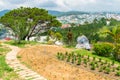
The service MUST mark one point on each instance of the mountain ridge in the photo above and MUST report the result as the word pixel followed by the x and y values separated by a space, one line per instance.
pixel 53 12
pixel 60 13
pixel 2 13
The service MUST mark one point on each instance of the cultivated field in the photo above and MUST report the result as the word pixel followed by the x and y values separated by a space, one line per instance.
pixel 42 59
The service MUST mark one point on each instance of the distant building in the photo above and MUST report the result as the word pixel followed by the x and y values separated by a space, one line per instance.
pixel 65 26
pixel 6 34
pixel 83 42
pixel 108 22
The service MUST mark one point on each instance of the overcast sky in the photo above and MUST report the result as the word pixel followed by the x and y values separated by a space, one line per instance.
pixel 64 5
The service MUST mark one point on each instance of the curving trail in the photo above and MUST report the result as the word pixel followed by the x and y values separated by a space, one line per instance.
pixel 21 70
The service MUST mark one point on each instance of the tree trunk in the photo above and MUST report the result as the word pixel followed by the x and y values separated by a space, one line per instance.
pixel 28 38
pixel 24 38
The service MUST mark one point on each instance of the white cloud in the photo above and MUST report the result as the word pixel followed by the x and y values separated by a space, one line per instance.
pixel 64 5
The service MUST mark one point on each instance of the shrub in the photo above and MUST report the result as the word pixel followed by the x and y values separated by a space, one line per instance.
pixel 79 61
pixel 108 65
pixel 107 70
pixel 100 59
pixel 82 56
pixel 113 70
pixel 106 62
pixel 102 63
pixel 88 57
pixel 58 36
pixel 92 63
pixel 94 58
pixel 72 54
pixel 118 73
pixel 85 61
pixel 68 58
pixel 48 38
pixel 104 67
pixel 58 55
pixel 103 49
pixel 50 42
pixel 97 65
pixel 93 67
pixel 101 69
pixel 66 53
pixel 61 56
pixel 113 62
pixel 78 55
pixel 118 68
pixel 116 52
pixel 73 58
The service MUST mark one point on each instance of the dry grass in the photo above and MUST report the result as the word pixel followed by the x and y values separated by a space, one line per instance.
pixel 42 59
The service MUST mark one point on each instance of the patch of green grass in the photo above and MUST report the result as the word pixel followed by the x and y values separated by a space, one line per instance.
pixel 90 53
pixel 6 73
pixel 22 44
pixel 4 67
pixel 69 46
pixel 18 56
pixel 91 61
pixel 3 50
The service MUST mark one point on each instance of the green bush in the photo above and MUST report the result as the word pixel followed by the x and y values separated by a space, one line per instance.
pixel 107 70
pixel 88 57
pixel 79 61
pixel 93 67
pixel 118 73
pixel 68 58
pixel 116 52
pixel 100 69
pixel 94 58
pixel 92 63
pixel 118 68
pixel 113 69
pixel 85 61
pixel 103 49
pixel 73 59
pixel 113 62
pixel 58 55
pixel 100 59
pixel 104 67
pixel 50 42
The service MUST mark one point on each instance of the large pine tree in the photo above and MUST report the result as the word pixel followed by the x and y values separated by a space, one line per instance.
pixel 27 22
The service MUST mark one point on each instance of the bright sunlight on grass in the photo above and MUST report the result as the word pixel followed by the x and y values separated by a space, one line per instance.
pixel 22 44
pixel 90 53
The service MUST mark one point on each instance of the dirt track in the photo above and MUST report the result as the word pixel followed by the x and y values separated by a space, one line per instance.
pixel 42 59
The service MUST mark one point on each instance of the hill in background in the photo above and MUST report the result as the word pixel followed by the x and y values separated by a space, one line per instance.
pixel 54 13
pixel 3 12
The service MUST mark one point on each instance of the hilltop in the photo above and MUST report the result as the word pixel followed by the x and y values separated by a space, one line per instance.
pixel 53 12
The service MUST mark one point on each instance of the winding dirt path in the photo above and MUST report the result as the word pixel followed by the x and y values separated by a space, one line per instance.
pixel 21 70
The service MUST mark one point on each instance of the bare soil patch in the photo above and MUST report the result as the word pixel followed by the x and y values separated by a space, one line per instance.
pixel 42 59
